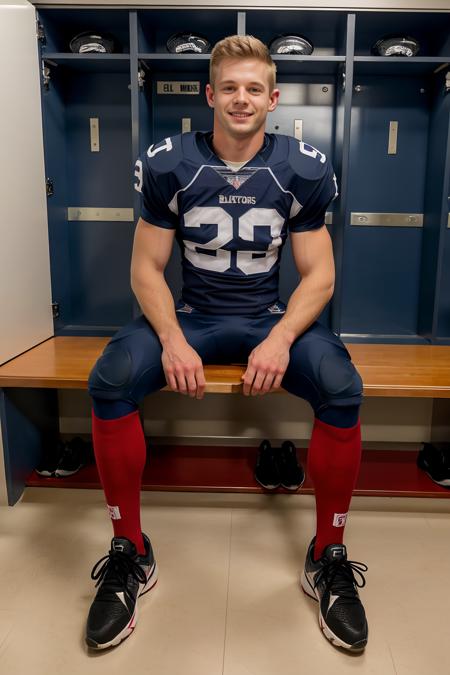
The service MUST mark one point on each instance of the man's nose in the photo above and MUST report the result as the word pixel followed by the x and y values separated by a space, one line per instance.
pixel 240 95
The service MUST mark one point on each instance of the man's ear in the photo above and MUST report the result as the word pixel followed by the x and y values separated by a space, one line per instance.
pixel 210 95
pixel 273 100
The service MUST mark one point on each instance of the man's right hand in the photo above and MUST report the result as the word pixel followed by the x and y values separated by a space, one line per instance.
pixel 183 367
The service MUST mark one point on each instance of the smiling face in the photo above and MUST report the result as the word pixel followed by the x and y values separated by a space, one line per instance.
pixel 241 98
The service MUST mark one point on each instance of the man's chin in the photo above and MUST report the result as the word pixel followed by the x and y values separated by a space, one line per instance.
pixel 240 130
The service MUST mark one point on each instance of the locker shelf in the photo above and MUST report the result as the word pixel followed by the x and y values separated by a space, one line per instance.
pixel 179 63
pixel 105 63
pixel 385 65
pixel 384 473
pixel 308 65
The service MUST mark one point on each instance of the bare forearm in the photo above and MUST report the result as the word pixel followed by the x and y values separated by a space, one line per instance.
pixel 304 307
pixel 156 301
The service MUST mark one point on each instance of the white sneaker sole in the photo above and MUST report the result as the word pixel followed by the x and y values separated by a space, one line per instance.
pixel 129 628
pixel 337 642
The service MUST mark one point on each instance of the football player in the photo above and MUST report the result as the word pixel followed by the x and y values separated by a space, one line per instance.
pixel 230 198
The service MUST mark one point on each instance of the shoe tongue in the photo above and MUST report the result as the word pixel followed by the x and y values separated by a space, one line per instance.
pixel 335 552
pixel 123 545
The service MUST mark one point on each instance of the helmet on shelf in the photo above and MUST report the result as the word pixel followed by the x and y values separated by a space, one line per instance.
pixel 291 44
pixel 396 45
pixel 188 43
pixel 91 42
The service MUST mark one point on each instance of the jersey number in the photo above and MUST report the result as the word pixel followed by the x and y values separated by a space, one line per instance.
pixel 221 261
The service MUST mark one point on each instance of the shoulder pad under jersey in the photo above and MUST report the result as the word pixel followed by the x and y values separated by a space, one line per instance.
pixel 166 155
pixel 305 160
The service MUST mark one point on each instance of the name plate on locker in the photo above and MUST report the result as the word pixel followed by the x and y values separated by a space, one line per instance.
pixel 387 219
pixel 178 87
pixel 104 215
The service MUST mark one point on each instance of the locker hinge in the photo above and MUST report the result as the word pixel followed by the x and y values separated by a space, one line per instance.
pixel 40 33
pixel 141 78
pixel 49 188
pixel 55 309
pixel 45 75
pixel 342 76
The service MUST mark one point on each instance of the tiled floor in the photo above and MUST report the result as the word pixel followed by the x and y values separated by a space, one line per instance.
pixel 227 600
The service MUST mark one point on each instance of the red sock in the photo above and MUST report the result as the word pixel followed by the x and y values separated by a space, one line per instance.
pixel 120 454
pixel 334 457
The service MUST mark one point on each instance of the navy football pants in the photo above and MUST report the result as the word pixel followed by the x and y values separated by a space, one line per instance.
pixel 320 369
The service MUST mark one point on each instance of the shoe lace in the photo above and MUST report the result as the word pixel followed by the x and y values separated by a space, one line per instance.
pixel 115 568
pixel 339 575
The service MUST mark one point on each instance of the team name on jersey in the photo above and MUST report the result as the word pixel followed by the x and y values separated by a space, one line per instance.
pixel 236 199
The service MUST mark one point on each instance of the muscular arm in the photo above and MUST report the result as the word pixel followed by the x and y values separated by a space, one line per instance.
pixel 313 256
pixel 151 251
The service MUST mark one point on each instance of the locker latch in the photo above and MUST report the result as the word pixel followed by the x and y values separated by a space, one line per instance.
pixel 45 75
pixel 141 78
pixel 40 33
pixel 49 187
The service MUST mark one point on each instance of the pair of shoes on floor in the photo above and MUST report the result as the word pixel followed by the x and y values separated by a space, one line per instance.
pixel 434 459
pixel 63 459
pixel 123 576
pixel 279 466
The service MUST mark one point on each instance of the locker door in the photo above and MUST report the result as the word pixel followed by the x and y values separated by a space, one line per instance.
pixel 25 295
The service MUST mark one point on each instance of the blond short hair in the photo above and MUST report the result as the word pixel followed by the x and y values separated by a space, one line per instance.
pixel 241 47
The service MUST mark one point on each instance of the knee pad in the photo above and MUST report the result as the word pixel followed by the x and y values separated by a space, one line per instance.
pixel 339 381
pixel 112 374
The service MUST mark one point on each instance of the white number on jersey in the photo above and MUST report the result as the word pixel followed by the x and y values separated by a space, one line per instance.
pixel 139 175
pixel 167 145
pixel 310 151
pixel 207 215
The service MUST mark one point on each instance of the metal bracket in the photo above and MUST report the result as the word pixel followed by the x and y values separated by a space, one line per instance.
pixel 40 33
pixel 55 309
pixel 49 188
pixel 46 75
pixel 141 74
pixel 342 74
pixel 141 78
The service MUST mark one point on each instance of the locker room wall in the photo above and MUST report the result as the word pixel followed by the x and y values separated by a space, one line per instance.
pixel 391 281
pixel 236 420
pixel 25 298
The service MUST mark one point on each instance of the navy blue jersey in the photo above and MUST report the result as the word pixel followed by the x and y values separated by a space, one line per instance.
pixel 231 225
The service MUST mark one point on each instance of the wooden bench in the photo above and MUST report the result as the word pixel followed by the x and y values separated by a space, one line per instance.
pixel 29 407
pixel 387 370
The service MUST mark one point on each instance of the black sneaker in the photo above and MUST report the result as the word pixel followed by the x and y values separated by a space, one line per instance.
pixel 291 471
pixel 123 577
pixel 75 455
pixel 434 459
pixel 332 582
pixel 266 469
pixel 53 450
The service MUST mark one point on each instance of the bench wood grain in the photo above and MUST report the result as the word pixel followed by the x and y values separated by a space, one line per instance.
pixel 421 371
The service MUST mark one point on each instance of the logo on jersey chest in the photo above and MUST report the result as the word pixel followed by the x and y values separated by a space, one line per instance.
pixel 235 178
pixel 236 199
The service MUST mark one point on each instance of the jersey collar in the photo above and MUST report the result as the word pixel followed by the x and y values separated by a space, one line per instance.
pixel 204 144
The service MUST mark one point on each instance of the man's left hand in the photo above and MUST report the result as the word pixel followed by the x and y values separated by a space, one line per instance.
pixel 266 366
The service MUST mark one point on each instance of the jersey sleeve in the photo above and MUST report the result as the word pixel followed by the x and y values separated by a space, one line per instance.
pixel 321 193
pixel 156 195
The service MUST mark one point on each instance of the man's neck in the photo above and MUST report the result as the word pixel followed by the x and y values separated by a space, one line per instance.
pixel 237 150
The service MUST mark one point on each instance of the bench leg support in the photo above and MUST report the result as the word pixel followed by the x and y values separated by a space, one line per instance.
pixel 26 416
